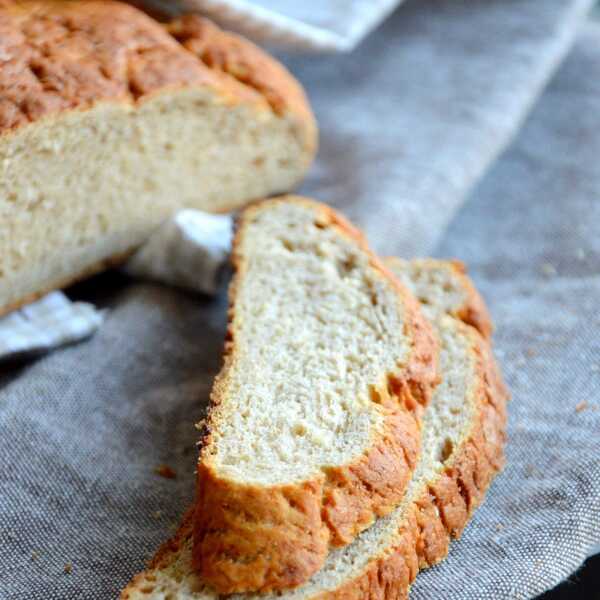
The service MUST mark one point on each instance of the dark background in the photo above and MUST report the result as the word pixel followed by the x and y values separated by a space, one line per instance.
pixel 584 585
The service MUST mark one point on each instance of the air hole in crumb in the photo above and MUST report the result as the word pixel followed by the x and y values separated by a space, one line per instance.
pixel 447 287
pixel 169 146
pixel 259 161
pixel 288 245
pixel 446 450
pixel 320 224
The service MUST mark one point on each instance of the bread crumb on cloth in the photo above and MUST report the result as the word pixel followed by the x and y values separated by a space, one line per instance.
pixel 165 471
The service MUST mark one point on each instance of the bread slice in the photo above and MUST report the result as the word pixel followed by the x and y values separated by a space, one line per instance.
pixel 110 122
pixel 313 430
pixel 463 436
pixel 442 286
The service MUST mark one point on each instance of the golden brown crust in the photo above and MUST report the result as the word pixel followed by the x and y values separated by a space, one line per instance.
pixel 250 537
pixel 226 52
pixel 474 312
pixel 163 556
pixel 60 55
pixel 64 54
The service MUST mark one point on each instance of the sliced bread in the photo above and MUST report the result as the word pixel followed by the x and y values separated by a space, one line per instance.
pixel 110 122
pixel 463 435
pixel 442 286
pixel 313 429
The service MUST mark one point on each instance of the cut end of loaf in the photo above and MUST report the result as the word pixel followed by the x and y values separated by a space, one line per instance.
pixel 109 124
pixel 315 328
pixel 91 185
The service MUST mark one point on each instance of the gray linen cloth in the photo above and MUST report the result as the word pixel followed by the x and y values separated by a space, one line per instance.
pixel 530 237
pixel 415 115
pixel 84 428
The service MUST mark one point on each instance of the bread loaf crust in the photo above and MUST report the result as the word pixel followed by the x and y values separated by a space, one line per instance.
pixel 60 58
pixel 474 311
pixel 60 55
pixel 228 53
pixel 249 537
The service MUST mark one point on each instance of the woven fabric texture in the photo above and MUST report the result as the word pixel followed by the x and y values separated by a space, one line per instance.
pixel 87 429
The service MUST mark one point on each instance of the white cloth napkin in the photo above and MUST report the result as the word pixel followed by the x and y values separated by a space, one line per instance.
pixel 48 323
pixel 188 251
pixel 307 26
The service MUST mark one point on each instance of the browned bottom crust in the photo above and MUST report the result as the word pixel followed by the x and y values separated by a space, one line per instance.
pixel 283 532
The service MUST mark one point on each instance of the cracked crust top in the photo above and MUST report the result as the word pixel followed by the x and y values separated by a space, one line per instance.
pixel 57 55
pixel 232 54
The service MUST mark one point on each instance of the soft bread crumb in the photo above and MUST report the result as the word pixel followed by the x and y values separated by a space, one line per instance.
pixel 144 127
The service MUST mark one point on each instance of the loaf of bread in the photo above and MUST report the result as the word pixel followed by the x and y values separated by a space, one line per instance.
pixel 110 121
pixel 463 435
